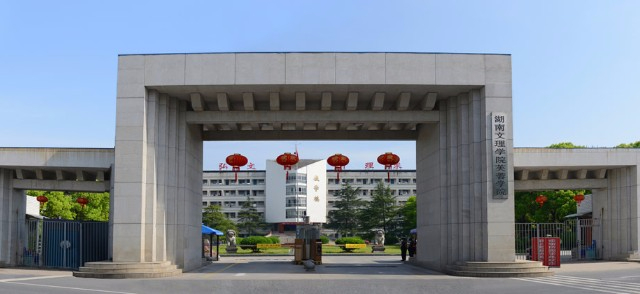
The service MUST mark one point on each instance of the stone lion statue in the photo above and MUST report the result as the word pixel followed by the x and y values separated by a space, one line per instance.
pixel 231 238
pixel 378 239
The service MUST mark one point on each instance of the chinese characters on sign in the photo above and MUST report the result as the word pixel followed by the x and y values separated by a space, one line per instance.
pixel 368 165
pixel 500 155
pixel 251 166
pixel 547 250
pixel 222 166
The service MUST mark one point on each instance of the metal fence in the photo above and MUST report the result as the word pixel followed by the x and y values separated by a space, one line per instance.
pixel 576 238
pixel 64 244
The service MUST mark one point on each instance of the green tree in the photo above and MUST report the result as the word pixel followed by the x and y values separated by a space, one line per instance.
pixel 345 218
pixel 629 145
pixel 558 205
pixel 381 211
pixel 565 145
pixel 64 206
pixel 409 214
pixel 214 217
pixel 249 220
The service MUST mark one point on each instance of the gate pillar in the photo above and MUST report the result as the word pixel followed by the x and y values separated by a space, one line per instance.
pixel 12 220
pixel 459 218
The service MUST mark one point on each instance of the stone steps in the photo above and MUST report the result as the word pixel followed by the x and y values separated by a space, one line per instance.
pixel 499 269
pixel 127 270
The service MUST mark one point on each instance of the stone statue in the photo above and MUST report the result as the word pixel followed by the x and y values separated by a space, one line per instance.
pixel 231 238
pixel 378 239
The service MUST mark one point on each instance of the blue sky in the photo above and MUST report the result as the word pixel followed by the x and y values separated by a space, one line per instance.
pixel 575 63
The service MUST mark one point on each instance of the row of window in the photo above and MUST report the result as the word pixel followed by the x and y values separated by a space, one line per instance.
pixel 363 192
pixel 242 193
pixel 235 215
pixel 231 204
pixel 358 181
pixel 302 179
pixel 233 182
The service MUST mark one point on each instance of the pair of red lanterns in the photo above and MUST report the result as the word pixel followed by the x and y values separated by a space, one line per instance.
pixel 338 161
pixel 541 199
pixel 81 200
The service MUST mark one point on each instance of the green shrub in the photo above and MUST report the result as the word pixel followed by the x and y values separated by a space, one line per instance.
pixel 349 240
pixel 274 239
pixel 324 239
pixel 253 240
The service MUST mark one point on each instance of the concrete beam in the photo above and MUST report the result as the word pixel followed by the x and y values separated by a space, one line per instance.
pixel 429 101
pixel 59 175
pixel 197 102
pixel 39 174
pixel 328 134
pixel 300 101
pixel 53 185
pixel 562 174
pixel 378 101
pixel 352 101
pixel 325 103
pixel 312 116
pixel 601 173
pixel 522 175
pixel 274 101
pixel 79 175
pixel 539 185
pixel 223 102
pixel 402 103
pixel 544 174
pixel 19 174
pixel 247 101
pixel 581 174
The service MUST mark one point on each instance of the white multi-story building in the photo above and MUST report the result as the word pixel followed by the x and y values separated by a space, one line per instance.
pixel 308 190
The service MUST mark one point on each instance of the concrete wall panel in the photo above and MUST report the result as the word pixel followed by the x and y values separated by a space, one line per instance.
pixel 410 68
pixel 319 68
pixel 366 68
pixel 164 70
pixel 460 69
pixel 210 69
pixel 257 68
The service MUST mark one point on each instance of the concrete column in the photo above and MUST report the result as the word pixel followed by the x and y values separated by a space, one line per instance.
pixel 617 208
pixel 157 182
pixel 12 218
pixel 459 219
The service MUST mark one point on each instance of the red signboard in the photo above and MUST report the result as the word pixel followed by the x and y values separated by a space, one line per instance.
pixel 546 250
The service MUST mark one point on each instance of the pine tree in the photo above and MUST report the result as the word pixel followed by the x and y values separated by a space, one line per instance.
pixel 249 220
pixel 213 217
pixel 345 219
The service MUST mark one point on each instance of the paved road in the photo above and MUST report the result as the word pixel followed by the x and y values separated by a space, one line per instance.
pixel 344 274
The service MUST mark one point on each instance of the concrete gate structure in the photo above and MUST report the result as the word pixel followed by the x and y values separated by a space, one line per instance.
pixel 167 105
pixel 456 107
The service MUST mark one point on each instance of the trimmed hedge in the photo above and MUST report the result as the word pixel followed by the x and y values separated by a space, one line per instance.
pixel 324 239
pixel 349 240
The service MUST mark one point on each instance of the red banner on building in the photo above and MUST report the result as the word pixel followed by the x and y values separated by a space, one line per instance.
pixel 547 250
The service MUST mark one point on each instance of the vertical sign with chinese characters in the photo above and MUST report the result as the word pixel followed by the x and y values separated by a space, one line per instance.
pixel 500 155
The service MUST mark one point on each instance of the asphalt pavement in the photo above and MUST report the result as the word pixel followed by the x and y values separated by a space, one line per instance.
pixel 337 274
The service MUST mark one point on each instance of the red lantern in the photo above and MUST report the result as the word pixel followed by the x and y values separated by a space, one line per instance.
pixel 42 199
pixel 541 199
pixel 236 161
pixel 388 160
pixel 82 201
pixel 578 198
pixel 287 160
pixel 338 161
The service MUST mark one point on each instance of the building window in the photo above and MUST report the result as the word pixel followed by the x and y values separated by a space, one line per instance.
pixel 204 193
pixel 204 203
pixel 258 181
pixel 205 182
pixel 229 193
pixel 291 202
pixel 295 213
pixel 258 192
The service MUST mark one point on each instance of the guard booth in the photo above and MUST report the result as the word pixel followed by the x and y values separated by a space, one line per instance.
pixel 308 244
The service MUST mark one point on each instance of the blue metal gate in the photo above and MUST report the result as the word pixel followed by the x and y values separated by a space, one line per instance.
pixel 65 244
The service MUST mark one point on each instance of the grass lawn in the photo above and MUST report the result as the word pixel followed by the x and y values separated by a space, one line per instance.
pixel 326 249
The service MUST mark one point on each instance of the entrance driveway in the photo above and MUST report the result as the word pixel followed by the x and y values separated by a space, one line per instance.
pixel 338 274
